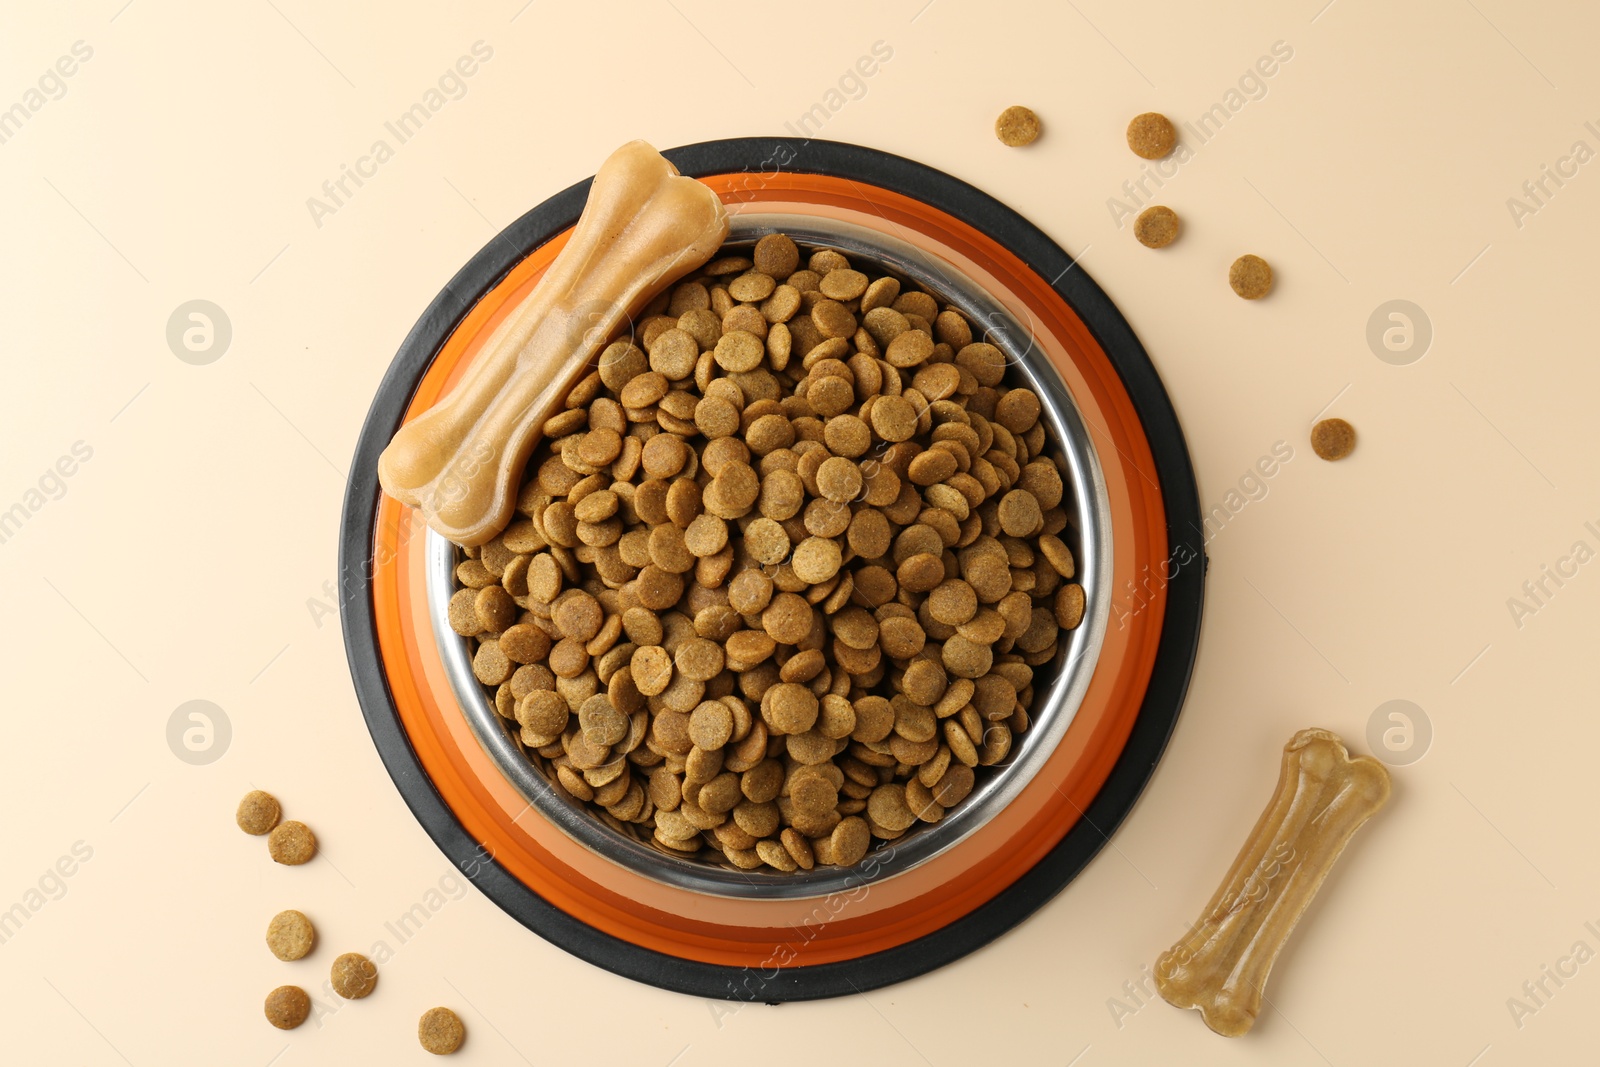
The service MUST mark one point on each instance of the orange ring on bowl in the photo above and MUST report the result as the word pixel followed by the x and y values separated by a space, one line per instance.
pixel 784 949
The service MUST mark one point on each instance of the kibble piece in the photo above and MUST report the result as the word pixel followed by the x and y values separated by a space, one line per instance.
pixel 1333 439
pixel 602 724
pixel 887 807
pixel 353 976
pixel 1020 515
pixel 463 612
pixel 850 840
pixel 1156 226
pixel 739 351
pixel 440 1031
pixel 287 1007
pixel 842 283
pixel 1058 555
pixel 1151 135
pixel 839 479
pixel 292 843
pixel 620 363
pixel 490 664
pixel 791 708
pixel 752 286
pixel 1017 126
pixel 833 319
pixel 952 788
pixel 881 293
pixel 711 725
pixel 952 602
pixel 496 610
pixel 894 418
pixel 1250 277
pixel 777 255
pixel 909 349
pixel 774 854
pixel 1018 410
pixel 698 659
pixel 824 260
pixel 1069 606
pixel 1041 478
pixel 290 935
pixel 258 812
pixel 846 435
pixel 816 559
pixel 766 541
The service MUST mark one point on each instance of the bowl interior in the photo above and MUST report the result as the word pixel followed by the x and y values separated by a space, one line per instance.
pixel 1058 687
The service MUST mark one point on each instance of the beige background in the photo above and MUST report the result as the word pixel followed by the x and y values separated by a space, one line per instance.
pixel 180 561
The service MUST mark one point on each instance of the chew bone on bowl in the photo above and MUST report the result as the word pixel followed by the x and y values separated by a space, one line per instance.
pixel 1057 688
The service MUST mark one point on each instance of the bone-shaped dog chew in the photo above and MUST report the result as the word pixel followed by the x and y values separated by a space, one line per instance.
pixel 1323 797
pixel 643 227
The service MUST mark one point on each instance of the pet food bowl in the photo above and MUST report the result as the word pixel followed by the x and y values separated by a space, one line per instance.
pixel 1101 712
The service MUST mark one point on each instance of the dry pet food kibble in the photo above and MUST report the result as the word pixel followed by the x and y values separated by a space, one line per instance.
pixel 1250 277
pixel 440 1031
pixel 1156 227
pixel 353 976
pixel 1333 439
pixel 258 812
pixel 1017 126
pixel 290 935
pixel 1151 135
pixel 292 843
pixel 782 570
pixel 287 1007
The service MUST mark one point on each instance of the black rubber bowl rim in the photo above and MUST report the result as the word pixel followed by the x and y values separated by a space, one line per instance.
pixel 1157 715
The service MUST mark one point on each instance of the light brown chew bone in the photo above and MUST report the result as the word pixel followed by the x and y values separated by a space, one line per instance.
pixel 1323 797
pixel 644 226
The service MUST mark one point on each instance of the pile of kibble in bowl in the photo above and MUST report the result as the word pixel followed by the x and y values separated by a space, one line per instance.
pixel 783 568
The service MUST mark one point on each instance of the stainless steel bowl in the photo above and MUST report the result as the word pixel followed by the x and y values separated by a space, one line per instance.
pixel 1056 699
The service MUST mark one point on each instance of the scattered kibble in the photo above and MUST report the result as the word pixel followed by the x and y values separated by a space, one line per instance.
pixel 1156 227
pixel 1151 135
pixel 290 935
pixel 292 843
pixel 353 976
pixel 1333 439
pixel 1017 126
pixel 258 812
pixel 440 1031
pixel 1251 277
pixel 287 1007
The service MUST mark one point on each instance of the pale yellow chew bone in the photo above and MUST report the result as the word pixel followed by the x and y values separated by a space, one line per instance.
pixel 1323 797
pixel 644 227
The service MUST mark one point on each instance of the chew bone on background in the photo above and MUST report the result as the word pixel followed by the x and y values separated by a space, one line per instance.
pixel 1323 796
pixel 643 227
